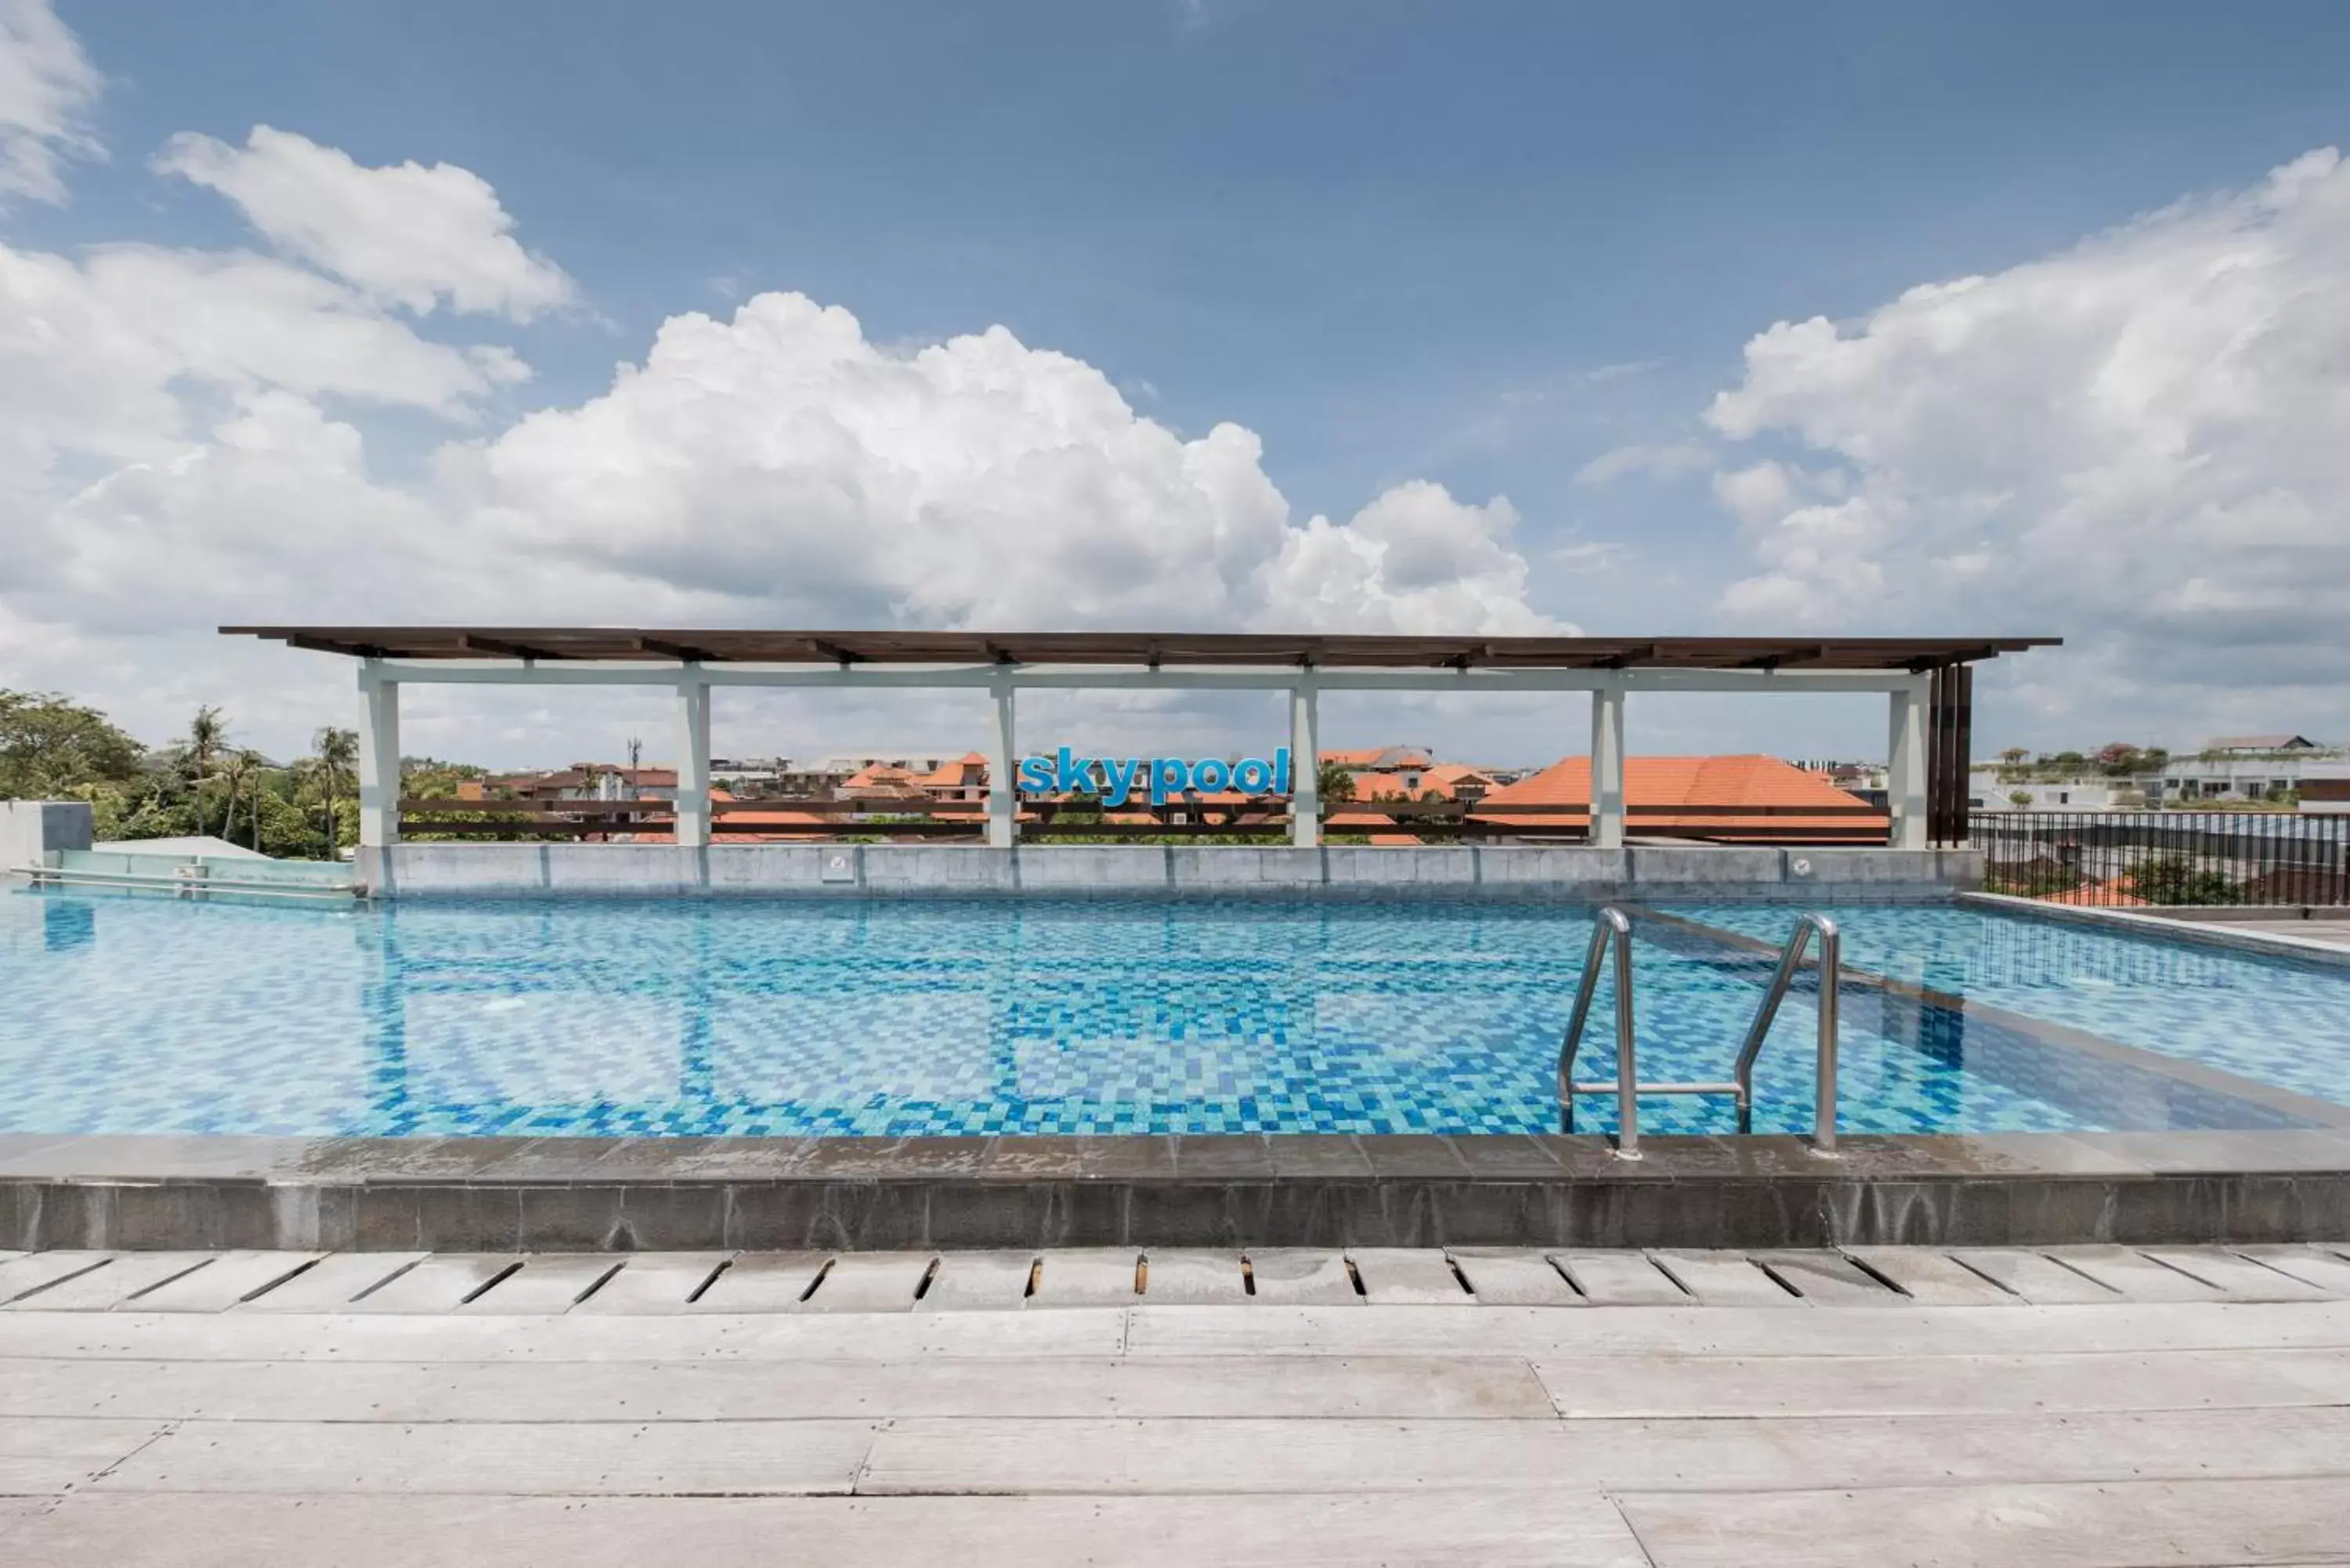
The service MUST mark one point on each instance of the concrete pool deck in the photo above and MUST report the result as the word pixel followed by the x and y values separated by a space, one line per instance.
pixel 2090 1408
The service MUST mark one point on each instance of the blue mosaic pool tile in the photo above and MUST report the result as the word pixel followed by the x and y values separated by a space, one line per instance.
pixel 677 1018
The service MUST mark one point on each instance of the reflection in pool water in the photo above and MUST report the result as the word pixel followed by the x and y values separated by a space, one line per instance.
pixel 139 1014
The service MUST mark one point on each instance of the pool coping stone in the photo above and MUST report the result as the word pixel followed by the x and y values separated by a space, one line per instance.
pixel 599 1194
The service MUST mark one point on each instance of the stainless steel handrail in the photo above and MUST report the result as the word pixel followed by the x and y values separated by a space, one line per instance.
pixel 1613 929
pixel 38 874
pixel 1609 926
pixel 1824 1091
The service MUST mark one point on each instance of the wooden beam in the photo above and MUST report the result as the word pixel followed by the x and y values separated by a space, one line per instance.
pixel 1147 649
pixel 320 645
pixel 501 647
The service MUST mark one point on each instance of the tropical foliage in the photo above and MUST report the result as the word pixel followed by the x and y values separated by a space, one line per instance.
pixel 2175 879
pixel 50 746
pixel 200 781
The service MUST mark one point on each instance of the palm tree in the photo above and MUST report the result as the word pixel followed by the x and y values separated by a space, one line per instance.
pixel 206 732
pixel 337 757
pixel 235 772
pixel 253 765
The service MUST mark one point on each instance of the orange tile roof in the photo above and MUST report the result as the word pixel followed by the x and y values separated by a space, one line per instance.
pixel 759 826
pixel 1377 786
pixel 969 769
pixel 2115 894
pixel 1692 783
pixel 1445 776
pixel 1442 780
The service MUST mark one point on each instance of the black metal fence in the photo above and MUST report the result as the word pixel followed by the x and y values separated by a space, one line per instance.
pixel 2119 858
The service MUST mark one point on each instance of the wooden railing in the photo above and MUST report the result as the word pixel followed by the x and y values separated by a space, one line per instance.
pixel 1860 824
pixel 449 817
pixel 1444 821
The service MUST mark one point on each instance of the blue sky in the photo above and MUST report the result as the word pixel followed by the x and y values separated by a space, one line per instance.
pixel 1481 246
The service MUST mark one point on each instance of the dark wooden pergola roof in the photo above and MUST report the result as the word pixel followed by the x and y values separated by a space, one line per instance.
pixel 1151 650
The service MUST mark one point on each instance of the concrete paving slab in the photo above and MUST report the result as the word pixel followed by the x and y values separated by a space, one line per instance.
pixel 1302 1276
pixel 1180 1277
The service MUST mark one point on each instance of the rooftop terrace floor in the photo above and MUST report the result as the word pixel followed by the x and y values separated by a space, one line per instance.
pixel 2102 1406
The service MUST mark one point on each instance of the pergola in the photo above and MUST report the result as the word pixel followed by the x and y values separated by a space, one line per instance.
pixel 1928 682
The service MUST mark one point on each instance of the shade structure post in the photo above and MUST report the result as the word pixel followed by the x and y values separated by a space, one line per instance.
pixel 1905 766
pixel 693 760
pixel 379 758
pixel 1305 767
pixel 1002 792
pixel 1607 768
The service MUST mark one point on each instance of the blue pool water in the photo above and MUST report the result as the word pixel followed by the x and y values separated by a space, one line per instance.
pixel 137 1013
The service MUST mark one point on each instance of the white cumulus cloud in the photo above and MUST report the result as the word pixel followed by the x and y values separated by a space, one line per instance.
pixel 409 234
pixel 2142 442
pixel 188 437
pixel 48 88
pixel 782 464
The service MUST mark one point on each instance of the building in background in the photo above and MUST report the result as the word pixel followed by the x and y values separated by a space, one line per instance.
pixel 2240 768
pixel 1865 780
pixel 581 781
pixel 1986 791
pixel 2258 745
pixel 2325 789
pixel 1720 800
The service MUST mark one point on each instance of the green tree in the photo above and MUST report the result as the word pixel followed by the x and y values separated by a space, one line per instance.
pixel 334 764
pixel 288 829
pixel 237 773
pixel 207 733
pixel 1335 783
pixel 429 778
pixel 2175 879
pixel 50 747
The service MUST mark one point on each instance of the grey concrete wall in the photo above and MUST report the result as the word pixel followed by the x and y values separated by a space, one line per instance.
pixel 31 830
pixel 1811 876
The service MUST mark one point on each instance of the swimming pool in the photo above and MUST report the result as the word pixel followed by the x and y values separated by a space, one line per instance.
pixel 140 1013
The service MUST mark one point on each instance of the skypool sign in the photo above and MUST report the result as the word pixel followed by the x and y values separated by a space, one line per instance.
pixel 1115 781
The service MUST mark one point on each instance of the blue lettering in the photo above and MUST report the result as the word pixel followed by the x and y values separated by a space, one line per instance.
pixel 1168 776
pixel 1118 781
pixel 1072 773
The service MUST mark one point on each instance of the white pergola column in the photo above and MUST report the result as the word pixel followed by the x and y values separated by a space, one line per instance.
pixel 1905 768
pixel 1608 767
pixel 378 759
pixel 1003 784
pixel 1305 767
pixel 693 761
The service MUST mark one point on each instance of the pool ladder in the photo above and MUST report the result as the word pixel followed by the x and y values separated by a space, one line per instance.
pixel 1613 930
